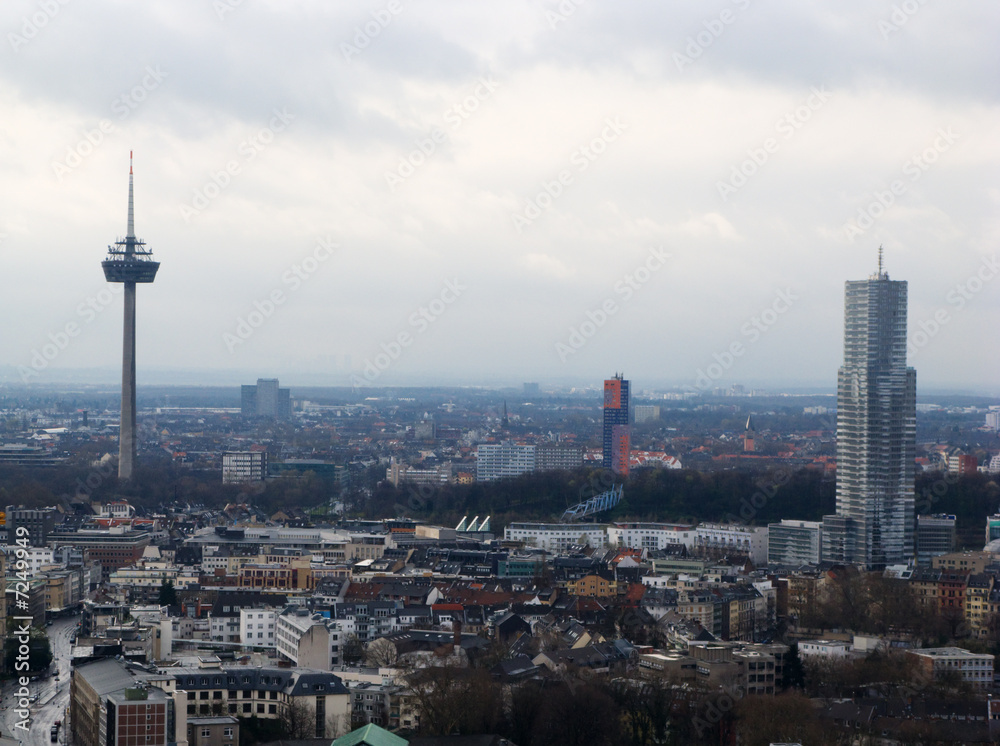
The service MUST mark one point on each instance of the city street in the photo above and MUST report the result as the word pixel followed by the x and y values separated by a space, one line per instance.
pixel 52 692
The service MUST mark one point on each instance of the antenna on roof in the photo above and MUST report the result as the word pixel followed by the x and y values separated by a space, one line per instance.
pixel 880 260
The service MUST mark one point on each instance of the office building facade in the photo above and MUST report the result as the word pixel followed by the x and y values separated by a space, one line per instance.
pixel 616 433
pixel 239 467
pixel 935 536
pixel 266 399
pixel 876 426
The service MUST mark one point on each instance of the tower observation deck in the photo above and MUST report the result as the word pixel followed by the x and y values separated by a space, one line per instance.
pixel 129 262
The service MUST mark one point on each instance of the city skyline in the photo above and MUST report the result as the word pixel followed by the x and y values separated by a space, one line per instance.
pixel 403 196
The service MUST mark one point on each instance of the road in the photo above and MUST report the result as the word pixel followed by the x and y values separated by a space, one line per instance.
pixel 52 691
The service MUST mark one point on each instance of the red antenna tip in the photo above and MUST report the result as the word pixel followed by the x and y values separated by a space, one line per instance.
pixel 130 162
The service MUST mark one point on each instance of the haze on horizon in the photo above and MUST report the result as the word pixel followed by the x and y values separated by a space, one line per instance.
pixel 551 192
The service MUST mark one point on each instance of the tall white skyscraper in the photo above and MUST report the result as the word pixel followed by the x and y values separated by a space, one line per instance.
pixel 876 429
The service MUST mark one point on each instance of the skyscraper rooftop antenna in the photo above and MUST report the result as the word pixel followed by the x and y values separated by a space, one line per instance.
pixel 131 208
pixel 881 274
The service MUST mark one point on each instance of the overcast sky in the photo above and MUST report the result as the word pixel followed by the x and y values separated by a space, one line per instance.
pixel 515 191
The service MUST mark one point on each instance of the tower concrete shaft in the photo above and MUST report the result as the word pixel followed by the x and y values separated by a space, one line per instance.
pixel 129 262
pixel 126 433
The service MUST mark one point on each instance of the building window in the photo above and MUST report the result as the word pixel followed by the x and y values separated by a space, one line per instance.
pixel 205 732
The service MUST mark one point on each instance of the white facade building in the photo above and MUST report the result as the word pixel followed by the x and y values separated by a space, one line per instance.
pixel 975 669
pixel 795 542
pixel 556 537
pixel 650 535
pixel 257 627
pixel 832 649
pixel 733 538
pixel 501 460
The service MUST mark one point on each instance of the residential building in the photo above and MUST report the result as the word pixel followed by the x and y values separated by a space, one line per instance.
pixel 115 704
pixel 398 473
pixel 558 457
pixel 925 583
pixel 318 697
pixel 654 536
pixel 876 425
pixel 795 543
pixel 257 627
pixel 646 413
pixel 309 640
pixel 961 463
pixel 556 537
pixel 616 436
pixel 724 539
pixel 977 603
pixel 503 460
pixel 223 730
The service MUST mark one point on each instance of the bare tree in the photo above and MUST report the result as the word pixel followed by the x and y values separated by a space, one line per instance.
pixel 297 720
pixel 381 654
pixel 354 650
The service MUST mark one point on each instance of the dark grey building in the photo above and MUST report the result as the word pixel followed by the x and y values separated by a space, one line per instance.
pixel 935 536
pixel 266 399
pixel 553 456
pixel 40 522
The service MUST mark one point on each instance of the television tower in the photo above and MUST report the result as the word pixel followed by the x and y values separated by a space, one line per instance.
pixel 129 262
